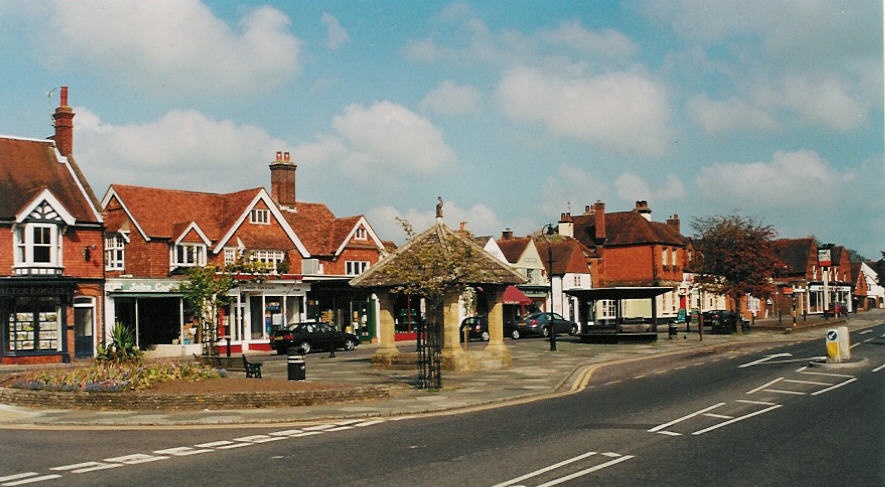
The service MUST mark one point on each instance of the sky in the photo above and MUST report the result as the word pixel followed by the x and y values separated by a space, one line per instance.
pixel 514 112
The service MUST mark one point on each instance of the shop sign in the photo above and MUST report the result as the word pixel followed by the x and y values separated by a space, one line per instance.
pixel 146 287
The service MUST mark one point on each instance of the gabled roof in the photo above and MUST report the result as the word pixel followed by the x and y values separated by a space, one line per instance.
pixel 30 166
pixel 794 254
pixel 324 234
pixel 513 247
pixel 167 214
pixel 435 237
pixel 569 256
pixel 626 228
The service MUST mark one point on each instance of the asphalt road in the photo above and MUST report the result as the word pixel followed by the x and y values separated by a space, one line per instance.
pixel 758 419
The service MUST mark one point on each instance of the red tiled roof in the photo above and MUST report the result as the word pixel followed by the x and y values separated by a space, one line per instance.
pixel 626 228
pixel 569 256
pixel 513 247
pixel 29 166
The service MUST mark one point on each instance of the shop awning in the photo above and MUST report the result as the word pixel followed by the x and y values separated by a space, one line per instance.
pixel 616 293
pixel 512 295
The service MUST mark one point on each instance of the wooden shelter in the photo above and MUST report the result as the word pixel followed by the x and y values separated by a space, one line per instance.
pixel 482 271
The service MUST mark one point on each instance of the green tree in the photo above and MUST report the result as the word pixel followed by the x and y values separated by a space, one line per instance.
pixel 206 293
pixel 733 257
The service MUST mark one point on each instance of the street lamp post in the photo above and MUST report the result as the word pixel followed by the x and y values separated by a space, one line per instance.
pixel 547 231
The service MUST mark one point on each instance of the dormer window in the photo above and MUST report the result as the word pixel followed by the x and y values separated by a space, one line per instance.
pixel 37 249
pixel 115 251
pixel 189 255
pixel 361 234
pixel 259 216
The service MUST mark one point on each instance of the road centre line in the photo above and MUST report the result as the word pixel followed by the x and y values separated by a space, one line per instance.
pixel 688 416
pixel 735 420
pixel 865 332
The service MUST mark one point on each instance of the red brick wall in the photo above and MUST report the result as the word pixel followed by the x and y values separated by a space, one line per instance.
pixel 339 265
pixel 75 243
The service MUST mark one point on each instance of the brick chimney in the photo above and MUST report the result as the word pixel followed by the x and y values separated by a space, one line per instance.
pixel 566 225
pixel 643 209
pixel 599 222
pixel 507 234
pixel 673 221
pixel 64 125
pixel 282 180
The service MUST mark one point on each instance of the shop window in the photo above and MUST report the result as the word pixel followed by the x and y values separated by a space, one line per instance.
pixel 34 325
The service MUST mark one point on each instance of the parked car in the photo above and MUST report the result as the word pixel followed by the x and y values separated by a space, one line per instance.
pixel 837 309
pixel 310 335
pixel 539 324
pixel 723 321
pixel 476 326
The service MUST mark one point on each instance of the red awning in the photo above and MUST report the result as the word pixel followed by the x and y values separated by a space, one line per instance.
pixel 512 295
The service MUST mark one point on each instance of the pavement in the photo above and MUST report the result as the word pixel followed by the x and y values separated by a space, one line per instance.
pixel 536 373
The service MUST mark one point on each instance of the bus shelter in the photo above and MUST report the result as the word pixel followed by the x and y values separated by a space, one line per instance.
pixel 616 323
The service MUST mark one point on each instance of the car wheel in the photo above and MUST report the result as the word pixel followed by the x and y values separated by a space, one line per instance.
pixel 545 332
pixel 349 345
pixel 485 336
pixel 305 347
pixel 574 330
pixel 514 334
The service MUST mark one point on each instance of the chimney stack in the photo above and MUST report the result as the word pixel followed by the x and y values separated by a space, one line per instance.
pixel 566 225
pixel 507 234
pixel 673 221
pixel 599 222
pixel 282 180
pixel 643 209
pixel 64 125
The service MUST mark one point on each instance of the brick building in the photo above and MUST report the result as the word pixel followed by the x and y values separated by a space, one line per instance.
pixel 51 263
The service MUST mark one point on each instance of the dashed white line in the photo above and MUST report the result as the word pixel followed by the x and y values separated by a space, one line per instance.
pixel 545 469
pixel 735 420
pixel 587 471
pixel 660 427
pixel 828 389
pixel 26 478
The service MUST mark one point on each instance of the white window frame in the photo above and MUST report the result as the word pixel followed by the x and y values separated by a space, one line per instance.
pixel 25 246
pixel 115 251
pixel 269 257
pixel 194 254
pixel 259 216
pixel 361 234
pixel 356 267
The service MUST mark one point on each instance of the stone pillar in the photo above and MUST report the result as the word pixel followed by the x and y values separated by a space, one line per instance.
pixel 387 347
pixel 453 355
pixel 496 346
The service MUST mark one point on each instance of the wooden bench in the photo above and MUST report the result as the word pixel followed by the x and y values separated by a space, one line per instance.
pixel 252 369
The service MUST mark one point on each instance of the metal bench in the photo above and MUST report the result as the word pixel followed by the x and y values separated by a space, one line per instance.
pixel 253 369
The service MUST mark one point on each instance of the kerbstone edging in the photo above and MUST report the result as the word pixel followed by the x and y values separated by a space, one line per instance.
pixel 185 401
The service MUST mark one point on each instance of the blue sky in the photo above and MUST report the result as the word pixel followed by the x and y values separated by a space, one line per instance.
pixel 514 112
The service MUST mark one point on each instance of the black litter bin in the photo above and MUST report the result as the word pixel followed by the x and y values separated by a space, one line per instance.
pixel 295 367
pixel 671 330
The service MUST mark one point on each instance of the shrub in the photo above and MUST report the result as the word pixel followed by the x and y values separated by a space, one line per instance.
pixel 106 376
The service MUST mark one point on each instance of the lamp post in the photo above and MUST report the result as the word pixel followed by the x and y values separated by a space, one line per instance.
pixel 547 231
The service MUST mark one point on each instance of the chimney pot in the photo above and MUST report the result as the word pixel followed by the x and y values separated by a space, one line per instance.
pixel 286 156
pixel 279 156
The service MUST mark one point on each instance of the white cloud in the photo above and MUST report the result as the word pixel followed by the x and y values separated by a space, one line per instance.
pixel 820 100
pixel 624 111
pixel 631 187
pixel 798 180
pixel 716 116
pixel 336 36
pixel 480 219
pixel 385 137
pixel 182 149
pixel 452 99
pixel 170 46
pixel 571 188
pixel 607 42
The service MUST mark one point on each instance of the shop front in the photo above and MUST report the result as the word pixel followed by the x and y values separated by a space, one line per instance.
pixel 154 310
pixel 258 308
pixel 46 320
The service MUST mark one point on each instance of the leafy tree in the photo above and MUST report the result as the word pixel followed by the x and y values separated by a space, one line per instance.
pixel 206 293
pixel 733 257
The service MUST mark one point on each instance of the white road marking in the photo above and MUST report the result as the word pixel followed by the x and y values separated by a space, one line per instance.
pixel 735 420
pixel 135 459
pixel 587 471
pixel 765 386
pixel 660 427
pixel 86 467
pixel 765 359
pixel 545 469
pixel 828 389
pixel 877 369
pixel 183 451
pixel 29 480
